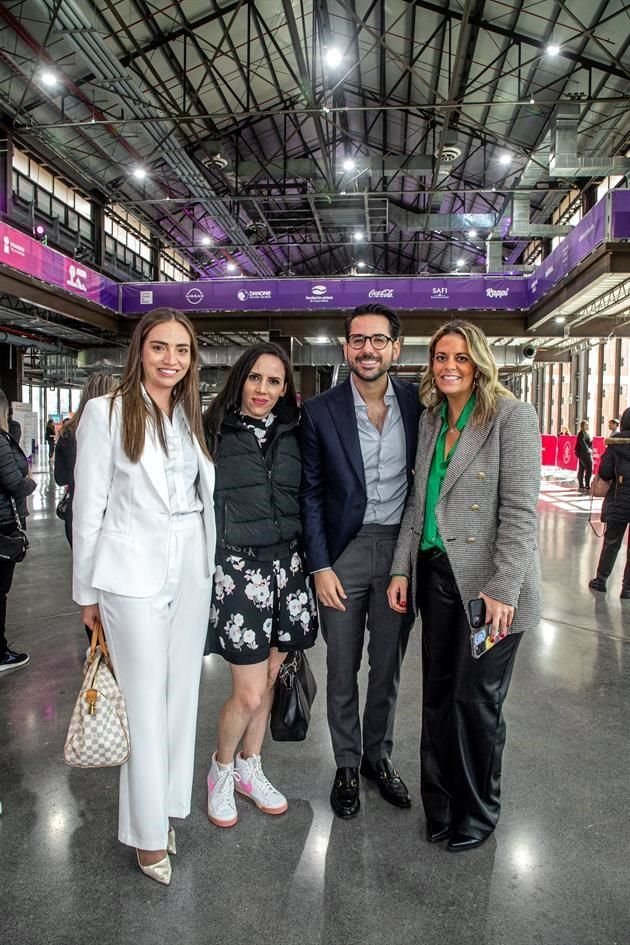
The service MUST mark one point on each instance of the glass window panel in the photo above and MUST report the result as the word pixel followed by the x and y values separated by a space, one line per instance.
pixel 58 209
pixel 84 207
pixel 26 189
pixel 43 201
pixel 45 179
pixel 20 161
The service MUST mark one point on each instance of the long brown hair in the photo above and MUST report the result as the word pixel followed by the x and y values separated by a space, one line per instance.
pixel 96 385
pixel 487 384
pixel 137 411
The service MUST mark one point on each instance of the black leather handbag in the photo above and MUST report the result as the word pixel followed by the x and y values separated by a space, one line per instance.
pixel 13 547
pixel 62 506
pixel 293 697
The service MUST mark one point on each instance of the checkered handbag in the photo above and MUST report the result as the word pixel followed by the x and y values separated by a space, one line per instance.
pixel 98 735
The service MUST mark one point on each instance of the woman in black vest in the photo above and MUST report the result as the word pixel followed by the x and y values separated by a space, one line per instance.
pixel 262 605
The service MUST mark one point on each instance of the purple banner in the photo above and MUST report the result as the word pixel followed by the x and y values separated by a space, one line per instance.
pixel 33 258
pixel 233 295
pixel 579 243
pixel 620 215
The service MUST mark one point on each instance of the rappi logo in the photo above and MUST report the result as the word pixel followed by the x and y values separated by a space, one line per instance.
pixel 194 296
pixel 381 294
pixel 497 293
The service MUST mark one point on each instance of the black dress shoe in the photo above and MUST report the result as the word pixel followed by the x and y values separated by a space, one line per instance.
pixel 461 841
pixel 344 797
pixel 390 784
pixel 438 830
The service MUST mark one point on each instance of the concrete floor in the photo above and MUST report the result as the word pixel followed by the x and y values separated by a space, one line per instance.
pixel 556 871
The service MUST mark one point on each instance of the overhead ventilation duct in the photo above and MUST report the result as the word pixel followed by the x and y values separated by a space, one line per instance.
pixel 564 160
pixel 411 220
pixel 521 225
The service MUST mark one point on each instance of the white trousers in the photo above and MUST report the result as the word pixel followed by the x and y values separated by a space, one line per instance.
pixel 156 645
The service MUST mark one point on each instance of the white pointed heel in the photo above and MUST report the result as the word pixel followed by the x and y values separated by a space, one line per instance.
pixel 170 843
pixel 161 871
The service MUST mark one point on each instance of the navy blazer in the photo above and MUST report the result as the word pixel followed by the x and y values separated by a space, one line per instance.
pixel 333 491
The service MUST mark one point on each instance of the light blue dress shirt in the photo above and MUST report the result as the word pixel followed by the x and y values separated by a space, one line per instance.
pixel 384 460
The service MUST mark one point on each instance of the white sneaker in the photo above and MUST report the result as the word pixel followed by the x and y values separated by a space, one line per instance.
pixel 251 782
pixel 221 805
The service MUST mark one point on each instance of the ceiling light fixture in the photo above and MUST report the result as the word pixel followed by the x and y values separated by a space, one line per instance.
pixel 231 267
pixel 139 173
pixel 358 235
pixel 472 234
pixel 505 159
pixel 360 264
pixel 349 164
pixel 333 57
pixel 461 262
pixel 49 79
pixel 553 49
pixel 561 319
pixel 205 241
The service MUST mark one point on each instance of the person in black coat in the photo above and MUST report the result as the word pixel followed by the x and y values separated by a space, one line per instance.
pixel 584 453
pixel 262 605
pixel 615 469
pixel 66 452
pixel 49 436
pixel 15 486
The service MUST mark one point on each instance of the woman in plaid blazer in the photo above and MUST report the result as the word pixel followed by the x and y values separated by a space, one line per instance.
pixel 469 531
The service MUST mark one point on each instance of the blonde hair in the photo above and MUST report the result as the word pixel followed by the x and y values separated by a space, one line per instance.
pixel 487 385
pixel 96 385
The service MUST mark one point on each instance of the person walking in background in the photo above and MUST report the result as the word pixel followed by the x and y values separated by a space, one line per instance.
pixel 15 486
pixel 613 426
pixel 66 450
pixel 615 469
pixel 469 531
pixel 143 560
pixel 262 604
pixel 49 436
pixel 584 453
pixel 14 427
pixel 358 447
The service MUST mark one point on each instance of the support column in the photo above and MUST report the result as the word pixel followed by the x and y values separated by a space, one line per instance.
pixel 599 392
pixel 617 379
pixel 308 382
pixel 11 372
pixel 6 172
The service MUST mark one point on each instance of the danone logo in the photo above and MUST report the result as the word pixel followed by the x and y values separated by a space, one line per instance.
pixel 194 296
pixel 381 294
pixel 318 290
pixel 497 293
pixel 244 294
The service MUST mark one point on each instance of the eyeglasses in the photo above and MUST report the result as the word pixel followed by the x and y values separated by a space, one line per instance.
pixel 378 342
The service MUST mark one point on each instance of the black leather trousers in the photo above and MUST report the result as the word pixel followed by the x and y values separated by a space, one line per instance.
pixel 463 730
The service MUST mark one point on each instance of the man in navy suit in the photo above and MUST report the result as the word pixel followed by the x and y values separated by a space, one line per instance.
pixel 358 454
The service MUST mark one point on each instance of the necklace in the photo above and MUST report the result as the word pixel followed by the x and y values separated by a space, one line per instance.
pixel 453 430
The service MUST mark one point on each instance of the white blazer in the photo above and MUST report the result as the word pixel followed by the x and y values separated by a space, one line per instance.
pixel 121 516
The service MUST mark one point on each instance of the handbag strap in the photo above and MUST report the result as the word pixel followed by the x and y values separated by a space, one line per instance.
pixel 15 512
pixel 98 640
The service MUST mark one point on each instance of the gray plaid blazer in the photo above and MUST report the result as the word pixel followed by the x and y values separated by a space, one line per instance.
pixel 486 512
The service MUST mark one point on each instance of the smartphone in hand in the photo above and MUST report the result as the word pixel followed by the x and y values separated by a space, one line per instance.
pixel 480 639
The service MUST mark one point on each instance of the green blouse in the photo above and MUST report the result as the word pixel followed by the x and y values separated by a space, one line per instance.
pixel 439 465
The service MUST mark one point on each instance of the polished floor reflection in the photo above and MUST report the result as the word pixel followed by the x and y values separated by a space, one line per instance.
pixel 555 873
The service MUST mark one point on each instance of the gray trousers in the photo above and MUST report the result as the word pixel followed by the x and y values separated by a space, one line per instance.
pixel 363 570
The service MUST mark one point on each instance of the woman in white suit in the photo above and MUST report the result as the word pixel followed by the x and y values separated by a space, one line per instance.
pixel 143 560
pixel 469 532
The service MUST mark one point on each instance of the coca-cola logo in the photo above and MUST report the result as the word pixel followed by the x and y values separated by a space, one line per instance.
pixel 381 294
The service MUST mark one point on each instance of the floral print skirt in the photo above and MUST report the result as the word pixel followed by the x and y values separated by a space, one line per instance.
pixel 257 604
